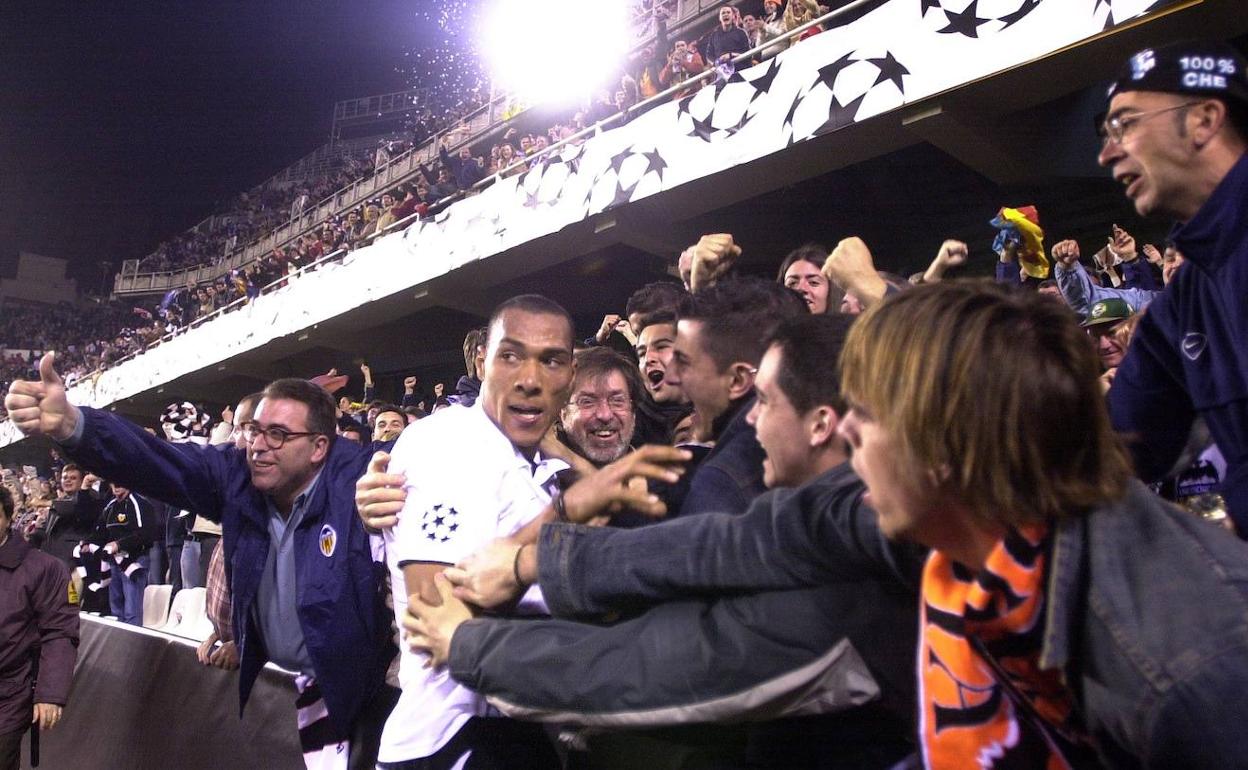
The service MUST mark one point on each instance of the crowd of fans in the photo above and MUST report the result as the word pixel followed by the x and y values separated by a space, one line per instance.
pixel 837 452
pixel 659 66
pixel 130 329
pixel 87 336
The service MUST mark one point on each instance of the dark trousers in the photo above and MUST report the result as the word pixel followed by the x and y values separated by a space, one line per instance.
pixel 491 744
pixel 175 568
pixel 11 749
pixel 366 732
pixel 95 601
pixel 158 555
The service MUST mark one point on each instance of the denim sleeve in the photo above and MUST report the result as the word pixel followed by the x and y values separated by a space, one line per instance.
pixel 787 539
pixel 1189 727
pixel 1081 293
pixel 756 656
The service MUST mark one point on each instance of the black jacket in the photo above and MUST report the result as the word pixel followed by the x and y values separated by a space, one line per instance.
pixel 131 523
pixel 71 521
pixel 731 476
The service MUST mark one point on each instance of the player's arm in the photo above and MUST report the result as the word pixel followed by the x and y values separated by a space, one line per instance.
pixel 418 579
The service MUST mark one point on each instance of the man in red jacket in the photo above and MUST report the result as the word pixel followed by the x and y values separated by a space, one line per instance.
pixel 36 618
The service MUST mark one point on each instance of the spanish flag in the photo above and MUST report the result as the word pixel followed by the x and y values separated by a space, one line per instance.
pixel 1021 226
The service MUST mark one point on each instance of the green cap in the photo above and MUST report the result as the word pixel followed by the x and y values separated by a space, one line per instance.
pixel 1108 311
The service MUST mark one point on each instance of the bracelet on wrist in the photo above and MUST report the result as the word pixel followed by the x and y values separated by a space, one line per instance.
pixel 515 566
pixel 561 508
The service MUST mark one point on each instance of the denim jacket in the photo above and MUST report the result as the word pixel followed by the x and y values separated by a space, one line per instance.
pixel 1148 618
pixel 1147 615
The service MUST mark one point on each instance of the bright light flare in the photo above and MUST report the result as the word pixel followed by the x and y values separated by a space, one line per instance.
pixel 556 52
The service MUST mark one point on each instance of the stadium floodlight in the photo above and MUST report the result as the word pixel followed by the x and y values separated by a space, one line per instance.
pixel 556 52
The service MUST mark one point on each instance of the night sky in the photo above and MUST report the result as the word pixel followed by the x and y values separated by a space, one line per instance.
pixel 124 123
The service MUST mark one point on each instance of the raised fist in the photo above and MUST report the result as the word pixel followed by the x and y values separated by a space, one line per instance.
pixel 1066 253
pixel 713 256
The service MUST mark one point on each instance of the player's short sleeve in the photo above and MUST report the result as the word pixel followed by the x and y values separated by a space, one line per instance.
pixel 431 527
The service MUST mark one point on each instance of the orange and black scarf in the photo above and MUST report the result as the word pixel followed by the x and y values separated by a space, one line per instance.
pixel 985 702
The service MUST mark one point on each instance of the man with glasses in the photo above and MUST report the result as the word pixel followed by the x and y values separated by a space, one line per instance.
pixel 307 594
pixel 599 419
pixel 1175 138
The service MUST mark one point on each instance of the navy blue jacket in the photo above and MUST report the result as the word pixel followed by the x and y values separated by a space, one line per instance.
pixel 732 474
pixel 341 590
pixel 1190 353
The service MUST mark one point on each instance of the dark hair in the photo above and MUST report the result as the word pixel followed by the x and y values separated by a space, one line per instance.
pixel 251 400
pixel 535 304
pixel 355 428
pixel 599 361
pixel 653 298
pixel 662 317
pixel 389 408
pixel 1047 283
pixel 810 347
pixel 807 252
pixel 6 502
pixel 1237 116
pixel 322 413
pixel 738 316
pixel 473 341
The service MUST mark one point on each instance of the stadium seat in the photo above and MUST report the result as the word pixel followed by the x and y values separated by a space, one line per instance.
pixel 156 605
pixel 188 616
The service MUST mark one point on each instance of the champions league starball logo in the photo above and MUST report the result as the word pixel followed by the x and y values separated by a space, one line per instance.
pixel 975 18
pixel 439 523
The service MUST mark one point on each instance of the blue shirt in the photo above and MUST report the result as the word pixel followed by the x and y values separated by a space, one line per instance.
pixel 276 607
pixel 1081 294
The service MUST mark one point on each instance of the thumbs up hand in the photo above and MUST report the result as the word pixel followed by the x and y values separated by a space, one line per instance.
pixel 41 408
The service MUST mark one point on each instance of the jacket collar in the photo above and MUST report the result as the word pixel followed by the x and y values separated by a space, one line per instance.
pixel 1067 573
pixel 732 421
pixel 13 551
pixel 1221 225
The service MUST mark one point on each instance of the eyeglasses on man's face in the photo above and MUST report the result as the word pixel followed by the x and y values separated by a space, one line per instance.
pixel 616 403
pixel 274 436
pixel 1115 128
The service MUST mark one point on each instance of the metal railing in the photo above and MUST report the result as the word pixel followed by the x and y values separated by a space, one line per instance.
pixel 399 169
pixel 397 225
pixel 277 283
pixel 628 113
pixel 404 167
